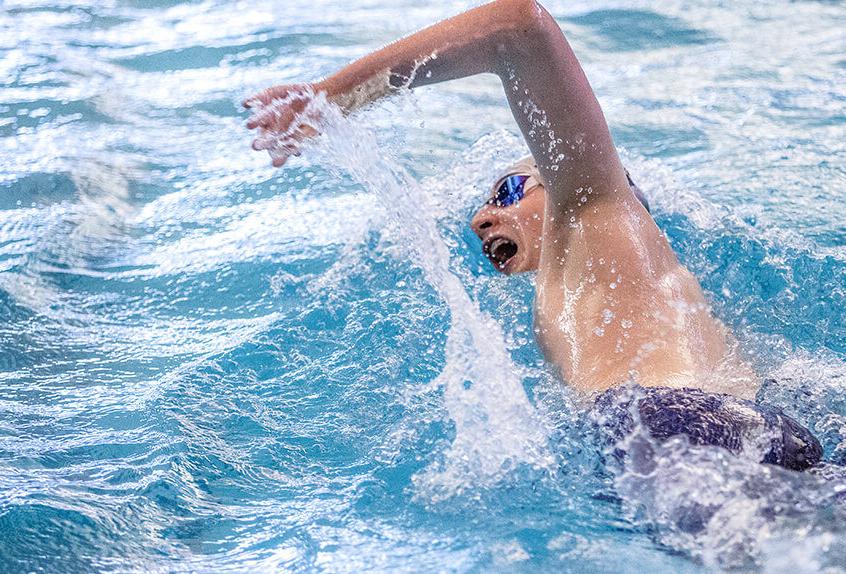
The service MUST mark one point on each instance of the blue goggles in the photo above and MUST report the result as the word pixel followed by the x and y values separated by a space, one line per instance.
pixel 511 190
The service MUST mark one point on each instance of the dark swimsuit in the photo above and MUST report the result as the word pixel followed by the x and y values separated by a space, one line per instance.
pixel 708 419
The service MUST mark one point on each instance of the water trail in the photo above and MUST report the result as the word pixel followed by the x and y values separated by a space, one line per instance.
pixel 732 512
pixel 727 511
pixel 496 427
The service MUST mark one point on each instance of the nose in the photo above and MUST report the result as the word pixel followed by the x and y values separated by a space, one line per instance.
pixel 485 218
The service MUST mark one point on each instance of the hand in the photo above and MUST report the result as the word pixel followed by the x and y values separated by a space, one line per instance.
pixel 285 117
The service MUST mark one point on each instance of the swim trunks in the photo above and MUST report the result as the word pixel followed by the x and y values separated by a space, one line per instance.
pixel 708 419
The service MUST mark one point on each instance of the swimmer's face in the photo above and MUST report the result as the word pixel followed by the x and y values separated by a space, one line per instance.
pixel 511 235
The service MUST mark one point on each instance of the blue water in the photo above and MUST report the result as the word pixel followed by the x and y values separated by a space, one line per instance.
pixel 208 365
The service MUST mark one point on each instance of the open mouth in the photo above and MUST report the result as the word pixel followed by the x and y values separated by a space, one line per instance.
pixel 500 251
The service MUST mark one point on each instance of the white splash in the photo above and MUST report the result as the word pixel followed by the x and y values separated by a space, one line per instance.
pixel 496 427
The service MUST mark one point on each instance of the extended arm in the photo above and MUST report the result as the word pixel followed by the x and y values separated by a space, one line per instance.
pixel 545 85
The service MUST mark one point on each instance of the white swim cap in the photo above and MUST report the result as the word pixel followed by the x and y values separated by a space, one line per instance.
pixel 528 166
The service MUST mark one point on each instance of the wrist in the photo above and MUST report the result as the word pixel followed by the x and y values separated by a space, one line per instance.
pixel 323 87
pixel 350 95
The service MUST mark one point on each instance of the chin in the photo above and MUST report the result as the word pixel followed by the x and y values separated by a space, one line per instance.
pixel 512 266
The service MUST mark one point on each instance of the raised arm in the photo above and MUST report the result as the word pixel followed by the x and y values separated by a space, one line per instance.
pixel 545 85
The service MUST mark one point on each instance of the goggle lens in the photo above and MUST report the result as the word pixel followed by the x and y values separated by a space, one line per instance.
pixel 510 190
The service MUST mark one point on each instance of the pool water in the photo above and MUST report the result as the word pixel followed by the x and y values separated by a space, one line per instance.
pixel 207 364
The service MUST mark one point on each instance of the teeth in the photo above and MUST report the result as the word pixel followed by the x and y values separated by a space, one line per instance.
pixel 492 250
pixel 496 243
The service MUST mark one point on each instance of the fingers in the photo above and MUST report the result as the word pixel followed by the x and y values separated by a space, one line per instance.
pixel 271 135
pixel 253 101
pixel 307 131
pixel 278 117
pixel 282 147
pixel 264 97
pixel 283 120
pixel 262 142
pixel 264 118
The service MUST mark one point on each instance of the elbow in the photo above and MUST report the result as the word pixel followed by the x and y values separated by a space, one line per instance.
pixel 527 29
pixel 524 15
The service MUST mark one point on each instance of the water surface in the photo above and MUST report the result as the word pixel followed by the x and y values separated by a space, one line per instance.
pixel 207 364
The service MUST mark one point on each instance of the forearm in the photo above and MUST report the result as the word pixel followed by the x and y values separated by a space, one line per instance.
pixel 468 44
pixel 546 88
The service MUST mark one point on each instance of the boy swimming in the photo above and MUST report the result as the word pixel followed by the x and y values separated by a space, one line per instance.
pixel 613 305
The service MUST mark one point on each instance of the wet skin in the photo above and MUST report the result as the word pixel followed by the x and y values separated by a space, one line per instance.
pixel 511 236
pixel 513 241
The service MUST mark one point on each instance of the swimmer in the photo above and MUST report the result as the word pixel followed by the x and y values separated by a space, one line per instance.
pixel 613 305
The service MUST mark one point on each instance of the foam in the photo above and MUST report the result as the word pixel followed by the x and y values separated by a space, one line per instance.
pixel 496 427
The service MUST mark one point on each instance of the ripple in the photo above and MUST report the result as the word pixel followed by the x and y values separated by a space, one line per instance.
pixel 210 365
pixel 635 30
